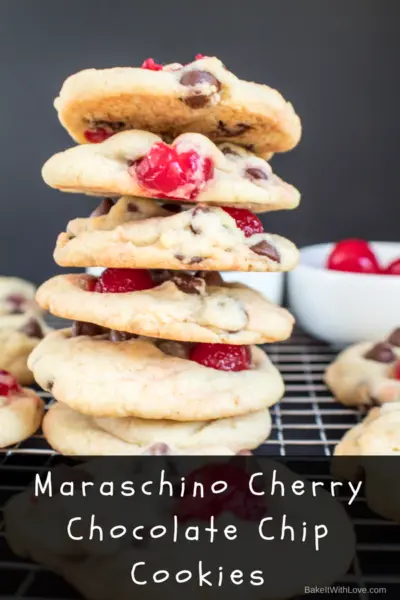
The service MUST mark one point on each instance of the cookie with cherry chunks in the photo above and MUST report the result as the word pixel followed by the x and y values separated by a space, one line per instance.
pixel 139 233
pixel 72 433
pixel 202 96
pixel 17 296
pixel 190 169
pixel 21 411
pixel 137 377
pixel 19 334
pixel 367 373
pixel 181 307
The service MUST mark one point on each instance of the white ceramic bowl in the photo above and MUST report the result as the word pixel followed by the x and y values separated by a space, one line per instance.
pixel 343 308
pixel 269 284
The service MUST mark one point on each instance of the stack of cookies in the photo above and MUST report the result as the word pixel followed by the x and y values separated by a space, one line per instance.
pixel 161 356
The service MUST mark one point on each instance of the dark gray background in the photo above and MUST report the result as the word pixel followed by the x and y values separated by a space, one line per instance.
pixel 336 60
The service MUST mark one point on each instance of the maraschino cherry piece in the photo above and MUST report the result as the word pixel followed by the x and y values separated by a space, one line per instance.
pixel 151 65
pixel 247 221
pixel 396 370
pixel 353 256
pixel 393 268
pixel 91 284
pixel 96 136
pixel 236 499
pixel 172 174
pixel 200 56
pixel 223 357
pixel 8 384
pixel 119 281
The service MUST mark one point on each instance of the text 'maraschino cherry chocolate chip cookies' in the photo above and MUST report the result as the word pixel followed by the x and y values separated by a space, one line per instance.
pixel 190 169
pixel 140 233
pixel 202 96
pixel 161 354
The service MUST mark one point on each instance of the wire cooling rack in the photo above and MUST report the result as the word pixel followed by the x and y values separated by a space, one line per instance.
pixel 307 422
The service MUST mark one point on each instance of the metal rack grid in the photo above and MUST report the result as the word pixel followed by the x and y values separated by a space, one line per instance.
pixel 307 422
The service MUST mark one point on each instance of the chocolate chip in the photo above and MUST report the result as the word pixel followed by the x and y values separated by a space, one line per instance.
pixel 255 173
pixel 17 301
pixel 188 283
pixel 228 150
pixel 172 348
pixel 49 385
pixel 190 261
pixel 394 338
pixel 200 208
pixel 158 449
pixel 121 336
pixel 210 277
pixel 32 329
pixel 381 352
pixel 172 207
pixel 112 125
pixel 264 248
pixel 81 328
pixel 238 129
pixel 103 208
pixel 192 79
pixel 249 147
pixel 132 207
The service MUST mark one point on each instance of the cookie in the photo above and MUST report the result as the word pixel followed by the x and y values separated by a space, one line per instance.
pixel 363 374
pixel 21 411
pixel 17 296
pixel 192 168
pixel 19 335
pixel 99 377
pixel 378 435
pixel 74 434
pixel 102 570
pixel 202 96
pixel 139 234
pixel 184 308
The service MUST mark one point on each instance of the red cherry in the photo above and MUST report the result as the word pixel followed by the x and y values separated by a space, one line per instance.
pixel 151 65
pixel 96 136
pixel 353 256
pixel 223 357
pixel 200 56
pixel 119 281
pixel 396 370
pixel 172 174
pixel 393 268
pixel 91 284
pixel 237 498
pixel 247 221
pixel 8 384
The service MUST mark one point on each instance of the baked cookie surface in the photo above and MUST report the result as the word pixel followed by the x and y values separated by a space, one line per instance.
pixel 19 335
pixel 202 96
pixel 138 233
pixel 374 445
pixel 363 374
pixel 192 168
pixel 21 411
pixel 100 377
pixel 184 307
pixel 17 296
pixel 72 433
